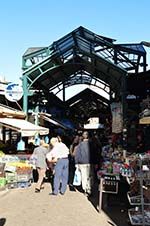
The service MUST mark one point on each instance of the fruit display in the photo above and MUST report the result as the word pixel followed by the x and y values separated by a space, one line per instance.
pixel 15 172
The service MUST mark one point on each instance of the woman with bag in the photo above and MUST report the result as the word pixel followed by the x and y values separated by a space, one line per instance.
pixel 39 154
pixel 83 161
pixel 72 167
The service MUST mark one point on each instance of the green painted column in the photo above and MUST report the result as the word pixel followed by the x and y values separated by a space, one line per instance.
pixel 36 115
pixel 25 94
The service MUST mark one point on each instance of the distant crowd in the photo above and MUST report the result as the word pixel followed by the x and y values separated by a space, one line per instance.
pixel 70 163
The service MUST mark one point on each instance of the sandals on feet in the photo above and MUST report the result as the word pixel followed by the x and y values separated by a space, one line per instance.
pixel 37 190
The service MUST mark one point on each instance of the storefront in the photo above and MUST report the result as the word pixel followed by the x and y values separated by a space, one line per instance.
pixel 132 170
pixel 15 164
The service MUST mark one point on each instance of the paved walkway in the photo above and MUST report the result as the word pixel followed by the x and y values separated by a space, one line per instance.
pixel 23 207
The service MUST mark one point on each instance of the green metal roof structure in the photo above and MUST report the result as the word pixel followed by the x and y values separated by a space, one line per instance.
pixel 81 57
pixel 88 103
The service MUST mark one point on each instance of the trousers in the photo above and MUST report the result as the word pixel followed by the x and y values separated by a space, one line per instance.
pixel 61 176
pixel 87 176
pixel 41 175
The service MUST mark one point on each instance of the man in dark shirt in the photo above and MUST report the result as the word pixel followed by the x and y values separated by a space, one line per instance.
pixel 84 162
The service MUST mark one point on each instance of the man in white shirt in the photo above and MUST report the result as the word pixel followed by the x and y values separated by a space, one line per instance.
pixel 59 155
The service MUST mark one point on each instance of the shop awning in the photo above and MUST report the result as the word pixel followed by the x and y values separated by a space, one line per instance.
pixel 145 120
pixel 47 117
pixel 6 111
pixel 24 127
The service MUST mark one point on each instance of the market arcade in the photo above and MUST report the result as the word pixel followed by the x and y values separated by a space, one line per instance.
pixel 83 57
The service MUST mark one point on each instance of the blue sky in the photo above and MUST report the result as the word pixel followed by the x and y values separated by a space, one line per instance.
pixel 33 23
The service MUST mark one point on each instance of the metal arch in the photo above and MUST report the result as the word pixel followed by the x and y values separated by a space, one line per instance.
pixel 106 86
pixel 103 76
pixel 85 100
pixel 41 72
pixel 85 84
pixel 34 55
pixel 84 43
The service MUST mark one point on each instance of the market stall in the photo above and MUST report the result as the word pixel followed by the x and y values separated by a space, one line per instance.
pixel 15 171
pixel 135 170
pixel 113 165
pixel 139 194
pixel 16 168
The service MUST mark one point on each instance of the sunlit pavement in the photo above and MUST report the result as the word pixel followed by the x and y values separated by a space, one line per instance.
pixel 23 207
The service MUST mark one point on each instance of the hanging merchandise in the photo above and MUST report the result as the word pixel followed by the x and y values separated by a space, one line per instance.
pixel 21 145
pixel 117 117
pixel 126 170
pixel 46 140
pixel 37 141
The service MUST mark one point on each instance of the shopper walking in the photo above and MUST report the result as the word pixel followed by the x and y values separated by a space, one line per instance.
pixel 72 168
pixel 39 154
pixel 59 156
pixel 84 162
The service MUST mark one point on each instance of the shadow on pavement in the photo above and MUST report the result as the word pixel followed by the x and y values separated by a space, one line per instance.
pixel 2 221
pixel 114 206
pixel 94 198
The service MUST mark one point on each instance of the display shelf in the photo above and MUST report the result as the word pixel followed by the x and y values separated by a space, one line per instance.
pixel 137 218
pixel 140 215
pixel 136 199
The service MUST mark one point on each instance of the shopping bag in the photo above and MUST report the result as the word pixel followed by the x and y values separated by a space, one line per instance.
pixel 77 177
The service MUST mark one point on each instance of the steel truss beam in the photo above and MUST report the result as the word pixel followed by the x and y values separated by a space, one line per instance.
pixel 81 50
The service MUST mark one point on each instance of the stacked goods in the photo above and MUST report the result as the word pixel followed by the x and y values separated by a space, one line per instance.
pixel 21 178
pixel 2 176
pixel 136 216
pixel 24 176
pixel 2 172
pixel 15 172
pixel 11 179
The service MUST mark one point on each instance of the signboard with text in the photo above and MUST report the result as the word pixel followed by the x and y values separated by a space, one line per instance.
pixel 13 92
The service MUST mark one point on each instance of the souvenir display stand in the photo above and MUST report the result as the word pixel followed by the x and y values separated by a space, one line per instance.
pixel 109 173
pixel 139 196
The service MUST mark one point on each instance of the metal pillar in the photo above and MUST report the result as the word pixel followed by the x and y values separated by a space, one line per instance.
pixel 4 134
pixel 144 61
pixel 36 115
pixel 25 94
pixel 142 192
pixel 110 94
pixel 64 93
pixel 100 195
